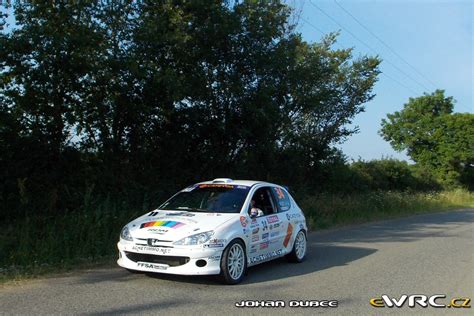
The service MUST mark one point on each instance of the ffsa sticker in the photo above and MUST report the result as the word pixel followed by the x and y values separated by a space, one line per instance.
pixel 154 266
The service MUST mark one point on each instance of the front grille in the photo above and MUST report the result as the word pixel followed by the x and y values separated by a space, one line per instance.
pixel 172 261
pixel 161 243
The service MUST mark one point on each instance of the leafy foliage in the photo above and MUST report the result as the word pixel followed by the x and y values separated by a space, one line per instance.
pixel 434 136
pixel 134 100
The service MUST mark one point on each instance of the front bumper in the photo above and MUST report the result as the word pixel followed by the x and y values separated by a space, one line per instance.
pixel 184 261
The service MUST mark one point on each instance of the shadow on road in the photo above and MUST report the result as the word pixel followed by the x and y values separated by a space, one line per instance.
pixel 139 308
pixel 320 257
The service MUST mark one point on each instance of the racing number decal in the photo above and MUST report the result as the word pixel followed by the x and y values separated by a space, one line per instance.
pixel 280 193
pixel 289 231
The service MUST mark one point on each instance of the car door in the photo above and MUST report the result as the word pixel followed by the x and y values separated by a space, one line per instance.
pixel 266 230
pixel 286 228
pixel 258 230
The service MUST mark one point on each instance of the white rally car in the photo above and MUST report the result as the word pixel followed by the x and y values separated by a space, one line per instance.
pixel 216 227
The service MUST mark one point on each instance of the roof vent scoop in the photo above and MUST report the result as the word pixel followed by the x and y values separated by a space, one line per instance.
pixel 222 180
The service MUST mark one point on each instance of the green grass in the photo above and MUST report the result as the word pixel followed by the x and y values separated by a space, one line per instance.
pixel 332 210
pixel 37 245
pixel 34 246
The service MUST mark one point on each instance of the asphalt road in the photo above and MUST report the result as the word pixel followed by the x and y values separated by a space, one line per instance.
pixel 425 254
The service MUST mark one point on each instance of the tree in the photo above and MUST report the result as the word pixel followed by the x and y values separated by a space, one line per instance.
pixel 135 96
pixel 434 136
pixel 47 62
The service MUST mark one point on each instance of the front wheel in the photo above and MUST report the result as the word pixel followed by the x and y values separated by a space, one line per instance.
pixel 233 263
pixel 298 253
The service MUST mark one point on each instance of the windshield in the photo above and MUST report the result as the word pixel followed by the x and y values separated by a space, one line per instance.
pixel 213 198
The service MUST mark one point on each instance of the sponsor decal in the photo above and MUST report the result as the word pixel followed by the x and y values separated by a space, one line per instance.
pixel 185 214
pixel 264 245
pixel 276 225
pixel 254 223
pixel 283 200
pixel 153 213
pixel 215 243
pixel 272 219
pixel 254 250
pixel 216 185
pixel 255 238
pixel 170 224
pixel 214 258
pixel 284 205
pixel 157 230
pixel 186 218
pixel 267 256
pixel 291 304
pixel 264 236
pixel 243 221
pixel 420 300
pixel 159 250
pixel 152 266
pixel 274 234
pixel 255 230
pixel 289 231
pixel 292 216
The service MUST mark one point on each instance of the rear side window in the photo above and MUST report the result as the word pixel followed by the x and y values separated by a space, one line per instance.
pixel 282 199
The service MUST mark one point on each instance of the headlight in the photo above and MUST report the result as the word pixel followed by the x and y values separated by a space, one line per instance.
pixel 196 239
pixel 125 234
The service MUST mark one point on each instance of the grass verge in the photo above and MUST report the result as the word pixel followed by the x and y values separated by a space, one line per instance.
pixel 332 210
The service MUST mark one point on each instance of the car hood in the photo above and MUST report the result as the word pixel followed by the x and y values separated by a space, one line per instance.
pixel 174 225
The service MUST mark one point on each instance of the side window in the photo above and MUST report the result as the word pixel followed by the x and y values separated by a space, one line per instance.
pixel 282 198
pixel 262 200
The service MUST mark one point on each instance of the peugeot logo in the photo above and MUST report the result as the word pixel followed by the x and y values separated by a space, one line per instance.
pixel 153 242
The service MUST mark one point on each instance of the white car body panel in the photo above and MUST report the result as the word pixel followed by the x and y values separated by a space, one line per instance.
pixel 265 238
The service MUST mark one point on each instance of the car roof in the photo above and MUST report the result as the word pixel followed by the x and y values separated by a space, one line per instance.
pixel 248 183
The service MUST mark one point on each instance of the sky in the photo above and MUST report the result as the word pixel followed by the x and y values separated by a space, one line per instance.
pixel 433 38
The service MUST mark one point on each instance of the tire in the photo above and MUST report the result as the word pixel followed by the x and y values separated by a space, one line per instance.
pixel 298 253
pixel 233 263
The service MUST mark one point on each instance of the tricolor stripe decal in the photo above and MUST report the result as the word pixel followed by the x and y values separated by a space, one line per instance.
pixel 289 231
pixel 170 224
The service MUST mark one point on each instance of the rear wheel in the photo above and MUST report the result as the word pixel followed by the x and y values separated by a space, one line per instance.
pixel 233 263
pixel 298 253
